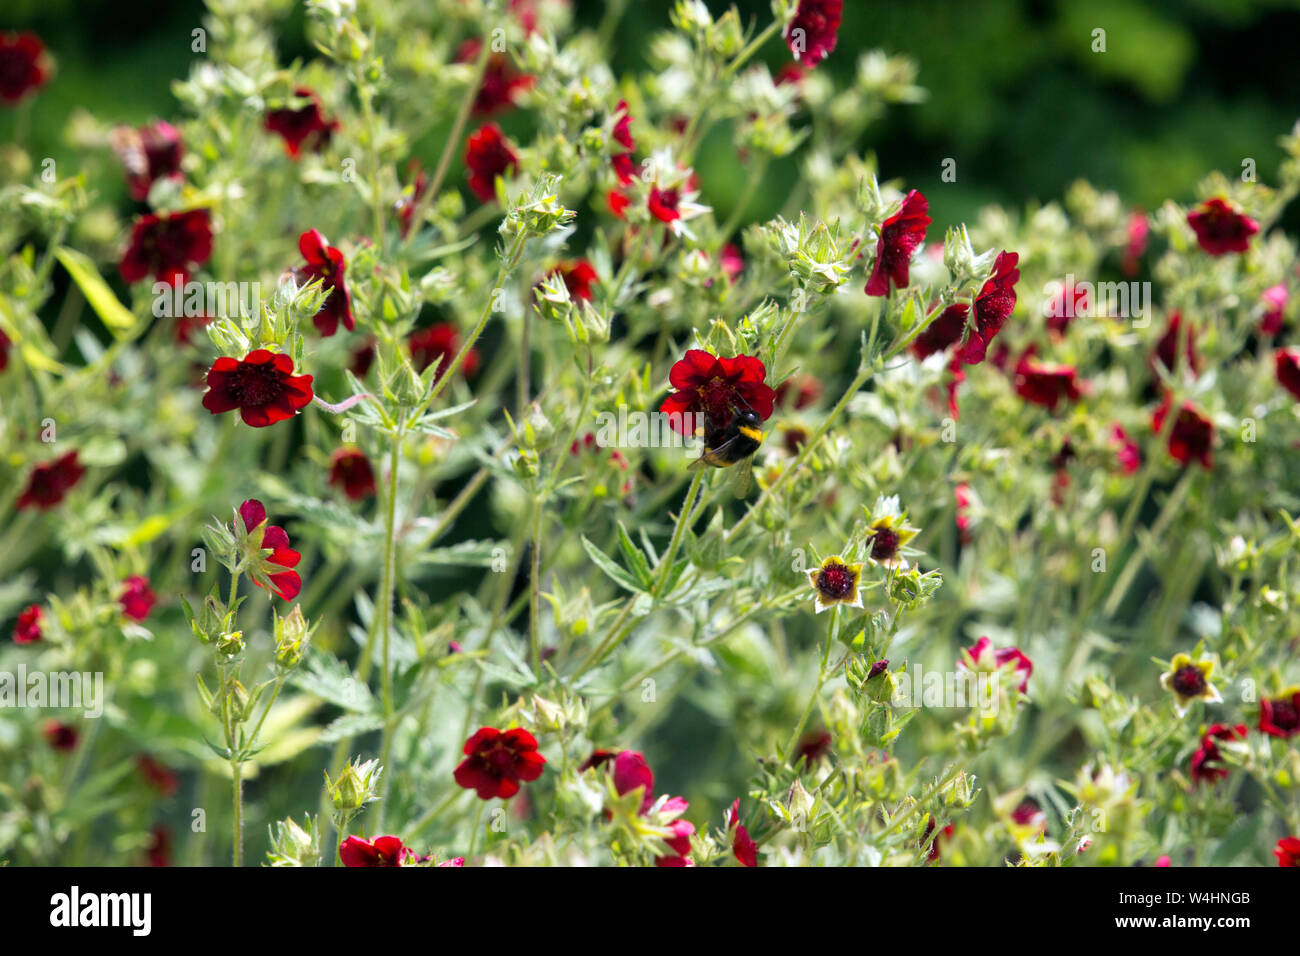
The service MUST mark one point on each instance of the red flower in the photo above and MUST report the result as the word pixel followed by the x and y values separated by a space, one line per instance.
pixel 382 851
pixel 1029 814
pixel 261 385
pixel 944 331
pixel 811 34
pixel 286 583
pixel 1269 324
pixel 351 471
pixel 947 832
pixel 496 761
pixel 624 168
pixel 326 263
pixel 742 846
pixel 440 343
pixel 812 747
pixel 985 657
pixel 1128 455
pixel 1192 437
pixel 618 202
pixel 28 628
pixel 995 302
pixel 168 247
pixel 363 358
pixel 1280 717
pixel 158 776
pixel 716 387
pixel 488 155
pixel 301 126
pixel 900 234
pixel 791 73
pixel 405 206
pixel 50 482
pixel 24 66
pixel 159 851
pixel 60 736
pixel 663 204
pixel 1220 228
pixel 150 153
pixel 501 81
pixel 1287 362
pixel 1070 303
pixel 805 389
pixel 598 758
pixel 137 599
pixel 1206 762
pixel 5 342
pixel 962 495
pixel 1139 228
pixel 732 262
pixel 1046 384
pixel 1288 851
pixel 1166 349
pixel 579 276
pixel 630 772
pixel 679 844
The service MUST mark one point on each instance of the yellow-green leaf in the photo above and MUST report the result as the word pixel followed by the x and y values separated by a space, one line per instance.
pixel 117 317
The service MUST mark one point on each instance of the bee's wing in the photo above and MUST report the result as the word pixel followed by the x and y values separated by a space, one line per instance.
pixel 744 471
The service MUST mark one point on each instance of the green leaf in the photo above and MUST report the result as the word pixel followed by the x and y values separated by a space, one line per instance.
pixel 635 558
pixel 610 566
pixel 116 317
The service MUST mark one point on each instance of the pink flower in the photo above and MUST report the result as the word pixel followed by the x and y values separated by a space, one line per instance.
pixel 137 599
pixel 984 657
pixel 1220 228
pixel 811 34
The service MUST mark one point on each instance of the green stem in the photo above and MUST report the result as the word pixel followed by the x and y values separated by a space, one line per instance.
pixel 821 680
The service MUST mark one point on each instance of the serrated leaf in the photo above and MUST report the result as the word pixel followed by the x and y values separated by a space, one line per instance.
pixel 611 567
pixel 635 558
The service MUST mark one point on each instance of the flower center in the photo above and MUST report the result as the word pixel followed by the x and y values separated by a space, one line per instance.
pixel 1189 681
pixel 835 581
pixel 1285 715
pixel 255 385
pixel 885 544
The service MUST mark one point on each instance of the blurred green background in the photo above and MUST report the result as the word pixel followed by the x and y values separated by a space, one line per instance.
pixel 1017 96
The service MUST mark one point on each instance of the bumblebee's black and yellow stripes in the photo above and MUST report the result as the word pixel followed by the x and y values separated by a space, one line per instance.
pixel 737 441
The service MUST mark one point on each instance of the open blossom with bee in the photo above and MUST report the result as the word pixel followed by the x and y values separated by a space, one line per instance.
pixel 534 433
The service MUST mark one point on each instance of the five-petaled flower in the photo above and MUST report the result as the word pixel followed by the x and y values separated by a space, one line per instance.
pixel 1188 681
pixel 328 264
pixel 261 385
pixel 302 126
pixel 28 628
pixel 488 154
pixel 1280 716
pixel 137 598
pixel 50 482
pixel 836 583
pixel 716 388
pixel 888 533
pixel 350 470
pixel 381 851
pixel 811 34
pixel 24 66
pixel 1221 228
pixel 168 247
pixel 900 234
pixel 496 761
pixel 1191 436
pixel 273 571
pixel 1207 762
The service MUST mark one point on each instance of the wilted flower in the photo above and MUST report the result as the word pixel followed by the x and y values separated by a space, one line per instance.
pixel 261 385
pixel 742 845
pixel 1207 765
pixel 326 263
pixel 1189 680
pixel 995 302
pixel 985 658
pixel 836 583
pixel 150 153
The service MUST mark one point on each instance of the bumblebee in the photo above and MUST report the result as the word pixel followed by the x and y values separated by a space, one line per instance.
pixel 734 444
